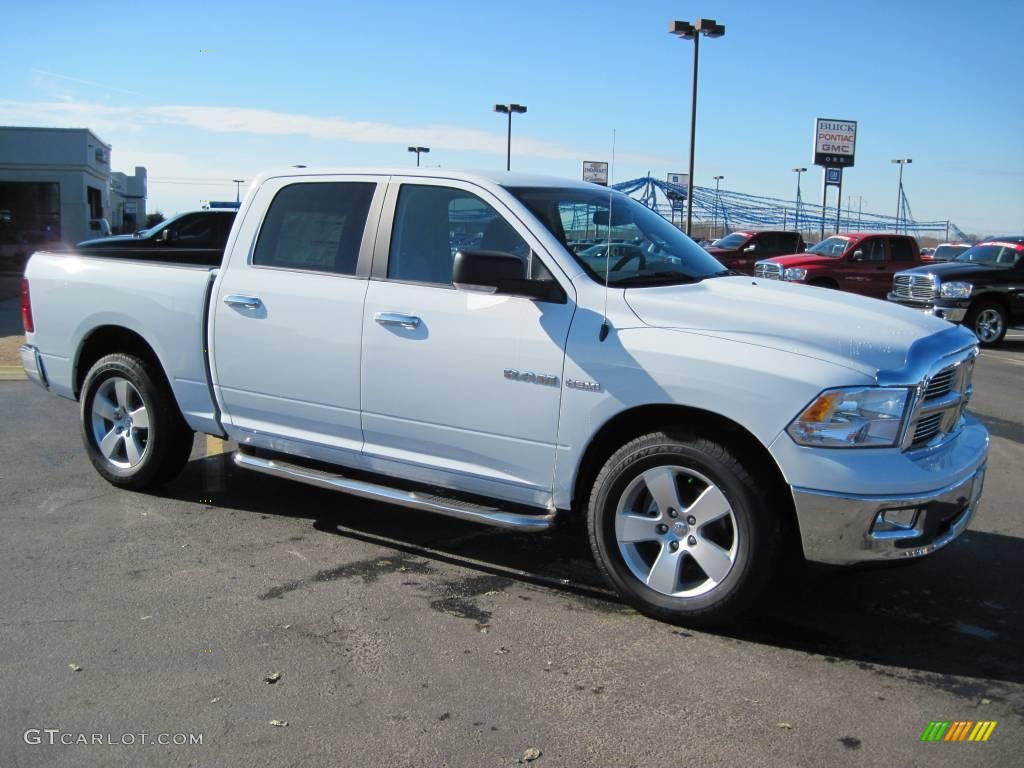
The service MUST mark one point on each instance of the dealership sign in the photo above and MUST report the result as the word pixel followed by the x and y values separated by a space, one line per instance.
pixel 834 142
pixel 680 179
pixel 595 172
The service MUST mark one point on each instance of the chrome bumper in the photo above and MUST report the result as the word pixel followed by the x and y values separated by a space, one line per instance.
pixel 952 314
pixel 33 365
pixel 843 529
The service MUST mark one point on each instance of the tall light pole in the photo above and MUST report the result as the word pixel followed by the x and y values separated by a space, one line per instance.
pixel 509 109
pixel 418 150
pixel 238 190
pixel 899 193
pixel 688 31
pixel 714 216
pixel 798 171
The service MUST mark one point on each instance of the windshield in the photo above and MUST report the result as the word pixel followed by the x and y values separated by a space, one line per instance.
pixel 645 248
pixel 948 252
pixel 992 254
pixel 833 247
pixel 735 240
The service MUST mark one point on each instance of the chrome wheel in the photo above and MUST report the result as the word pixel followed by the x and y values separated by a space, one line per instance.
pixel 120 423
pixel 988 325
pixel 676 531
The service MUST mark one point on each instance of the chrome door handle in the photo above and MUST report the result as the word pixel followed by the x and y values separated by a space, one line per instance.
pixel 248 302
pixel 394 318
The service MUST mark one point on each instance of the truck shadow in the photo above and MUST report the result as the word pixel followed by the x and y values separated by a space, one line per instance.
pixel 951 616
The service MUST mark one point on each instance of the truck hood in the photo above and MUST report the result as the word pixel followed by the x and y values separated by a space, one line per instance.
pixel 862 334
pixel 955 270
pixel 803 260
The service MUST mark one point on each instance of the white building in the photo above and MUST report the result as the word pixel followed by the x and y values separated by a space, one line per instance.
pixel 54 180
pixel 128 200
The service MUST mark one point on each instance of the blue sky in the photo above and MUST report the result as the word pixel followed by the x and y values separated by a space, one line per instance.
pixel 204 92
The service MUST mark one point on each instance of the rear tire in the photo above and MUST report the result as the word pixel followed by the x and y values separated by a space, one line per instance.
pixel 133 432
pixel 988 321
pixel 681 529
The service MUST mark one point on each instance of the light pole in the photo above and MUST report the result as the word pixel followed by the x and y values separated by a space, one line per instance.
pixel 509 109
pixel 714 216
pixel 418 151
pixel 798 171
pixel 688 31
pixel 238 189
pixel 899 192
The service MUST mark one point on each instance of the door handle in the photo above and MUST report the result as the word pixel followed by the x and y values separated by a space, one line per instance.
pixel 248 302
pixel 395 318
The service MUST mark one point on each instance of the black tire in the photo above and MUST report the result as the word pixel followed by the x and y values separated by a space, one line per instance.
pixel 983 317
pixel 754 522
pixel 167 442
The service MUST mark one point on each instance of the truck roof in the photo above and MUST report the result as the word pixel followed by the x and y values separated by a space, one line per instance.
pixel 500 178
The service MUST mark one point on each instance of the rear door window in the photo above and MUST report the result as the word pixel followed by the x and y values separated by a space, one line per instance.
pixel 901 249
pixel 873 248
pixel 315 226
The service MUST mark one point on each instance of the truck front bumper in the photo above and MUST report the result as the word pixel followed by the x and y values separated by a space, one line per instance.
pixel 33 365
pixel 843 529
pixel 856 506
pixel 952 310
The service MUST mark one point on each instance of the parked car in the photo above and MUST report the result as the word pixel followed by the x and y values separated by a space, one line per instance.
pixel 983 288
pixel 196 237
pixel 944 252
pixel 708 427
pixel 858 263
pixel 740 250
pixel 99 227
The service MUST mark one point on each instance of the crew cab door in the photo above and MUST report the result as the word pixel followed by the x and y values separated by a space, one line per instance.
pixel 459 388
pixel 865 269
pixel 288 313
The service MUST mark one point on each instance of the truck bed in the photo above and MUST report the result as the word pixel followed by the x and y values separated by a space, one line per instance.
pixel 75 296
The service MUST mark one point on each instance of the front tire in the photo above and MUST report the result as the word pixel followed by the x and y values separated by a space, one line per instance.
pixel 133 432
pixel 988 321
pixel 681 530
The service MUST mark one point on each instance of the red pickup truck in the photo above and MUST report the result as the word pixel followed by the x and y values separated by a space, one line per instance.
pixel 861 263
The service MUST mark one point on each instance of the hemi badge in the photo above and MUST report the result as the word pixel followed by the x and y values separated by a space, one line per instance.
pixel 587 386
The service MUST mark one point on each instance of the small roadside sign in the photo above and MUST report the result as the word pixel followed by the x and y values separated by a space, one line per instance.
pixel 596 172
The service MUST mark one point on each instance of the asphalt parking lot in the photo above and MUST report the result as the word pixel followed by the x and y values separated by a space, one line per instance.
pixel 403 639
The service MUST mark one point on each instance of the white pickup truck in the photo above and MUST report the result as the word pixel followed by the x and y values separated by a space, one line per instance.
pixel 452 342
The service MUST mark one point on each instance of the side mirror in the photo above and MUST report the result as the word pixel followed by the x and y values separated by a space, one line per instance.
pixel 501 273
pixel 750 248
pixel 167 235
pixel 858 255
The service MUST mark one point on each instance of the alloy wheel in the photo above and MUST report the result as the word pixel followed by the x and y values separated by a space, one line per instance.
pixel 120 423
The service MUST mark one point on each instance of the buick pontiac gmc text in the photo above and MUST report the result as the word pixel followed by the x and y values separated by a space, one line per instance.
pixel 433 339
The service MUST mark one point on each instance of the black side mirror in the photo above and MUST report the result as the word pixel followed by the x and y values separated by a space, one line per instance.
pixel 500 273
pixel 167 235
pixel 858 255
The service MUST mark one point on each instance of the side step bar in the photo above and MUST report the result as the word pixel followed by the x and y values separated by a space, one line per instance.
pixel 463 510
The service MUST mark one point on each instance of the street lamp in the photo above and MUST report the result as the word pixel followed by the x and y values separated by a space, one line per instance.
pixel 798 171
pixel 714 216
pixel 688 31
pixel 899 195
pixel 508 109
pixel 238 190
pixel 418 151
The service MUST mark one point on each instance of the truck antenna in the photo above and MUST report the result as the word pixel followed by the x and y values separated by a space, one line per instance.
pixel 603 333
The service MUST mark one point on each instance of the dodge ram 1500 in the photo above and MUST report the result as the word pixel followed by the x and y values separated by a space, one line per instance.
pixel 706 425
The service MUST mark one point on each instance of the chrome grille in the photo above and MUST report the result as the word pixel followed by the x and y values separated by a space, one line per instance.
pixel 940 383
pixel 767 270
pixel 939 405
pixel 917 287
pixel 927 428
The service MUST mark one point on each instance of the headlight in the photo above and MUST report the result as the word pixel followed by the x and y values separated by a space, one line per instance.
pixel 956 290
pixel 794 273
pixel 852 418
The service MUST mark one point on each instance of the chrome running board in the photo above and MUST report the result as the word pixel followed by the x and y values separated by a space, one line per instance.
pixel 463 510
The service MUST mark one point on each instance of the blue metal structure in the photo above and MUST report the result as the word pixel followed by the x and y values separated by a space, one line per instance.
pixel 742 211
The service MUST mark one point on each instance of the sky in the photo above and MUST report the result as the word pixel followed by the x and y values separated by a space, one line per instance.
pixel 202 93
